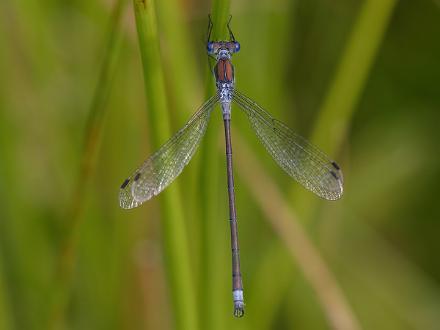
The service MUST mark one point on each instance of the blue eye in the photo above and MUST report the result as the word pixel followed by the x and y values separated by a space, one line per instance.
pixel 237 47
pixel 210 47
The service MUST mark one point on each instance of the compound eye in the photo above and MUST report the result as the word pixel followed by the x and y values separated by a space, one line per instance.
pixel 210 47
pixel 237 46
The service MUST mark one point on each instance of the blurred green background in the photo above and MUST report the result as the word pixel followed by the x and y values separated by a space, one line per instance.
pixel 78 113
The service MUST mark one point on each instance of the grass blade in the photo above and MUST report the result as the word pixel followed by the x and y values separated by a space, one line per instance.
pixel 213 227
pixel 352 74
pixel 178 261
pixel 350 78
pixel 92 134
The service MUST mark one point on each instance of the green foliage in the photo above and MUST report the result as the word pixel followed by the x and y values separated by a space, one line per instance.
pixel 359 78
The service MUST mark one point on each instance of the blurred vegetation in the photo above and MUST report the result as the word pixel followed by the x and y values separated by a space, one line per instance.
pixel 359 78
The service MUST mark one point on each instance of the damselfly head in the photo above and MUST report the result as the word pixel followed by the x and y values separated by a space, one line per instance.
pixel 215 47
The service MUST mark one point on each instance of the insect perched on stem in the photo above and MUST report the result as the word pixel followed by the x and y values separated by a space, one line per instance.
pixel 297 157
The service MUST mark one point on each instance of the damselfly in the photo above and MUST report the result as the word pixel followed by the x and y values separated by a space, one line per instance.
pixel 297 157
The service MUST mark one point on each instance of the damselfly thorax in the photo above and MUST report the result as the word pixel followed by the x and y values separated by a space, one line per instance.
pixel 224 74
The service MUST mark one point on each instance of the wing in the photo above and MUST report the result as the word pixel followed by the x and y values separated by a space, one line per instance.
pixel 160 169
pixel 301 160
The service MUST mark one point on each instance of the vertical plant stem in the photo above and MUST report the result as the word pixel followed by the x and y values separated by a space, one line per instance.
pixel 5 322
pixel 178 260
pixel 214 228
pixel 184 84
pixel 5 304
pixel 352 74
pixel 348 83
pixel 92 136
pixel 181 57
pixel 220 13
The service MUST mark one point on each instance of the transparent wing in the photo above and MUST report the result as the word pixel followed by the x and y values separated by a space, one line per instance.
pixel 301 160
pixel 160 169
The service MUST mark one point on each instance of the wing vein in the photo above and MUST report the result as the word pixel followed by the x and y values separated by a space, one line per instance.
pixel 295 155
pixel 160 169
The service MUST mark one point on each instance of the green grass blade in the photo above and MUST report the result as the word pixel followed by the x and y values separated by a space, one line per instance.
pixel 215 247
pixel 5 322
pixel 352 74
pixel 92 134
pixel 178 261
pixel 350 78
pixel 180 59
pixel 348 83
